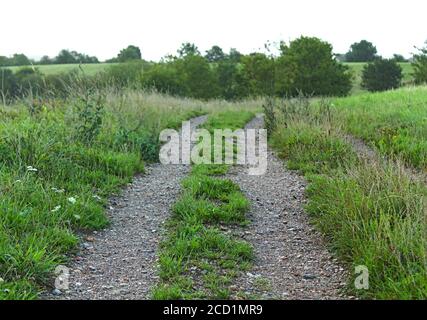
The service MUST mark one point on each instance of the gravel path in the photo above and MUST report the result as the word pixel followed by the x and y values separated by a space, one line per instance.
pixel 291 259
pixel 121 261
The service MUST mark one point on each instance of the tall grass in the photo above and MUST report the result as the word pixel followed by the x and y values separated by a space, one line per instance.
pixel 371 212
pixel 54 182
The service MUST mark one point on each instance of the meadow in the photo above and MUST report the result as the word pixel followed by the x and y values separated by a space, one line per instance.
pixel 394 122
pixel 55 69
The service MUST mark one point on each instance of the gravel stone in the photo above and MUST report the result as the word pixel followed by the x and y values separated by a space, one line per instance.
pixel 291 258
pixel 289 253
pixel 121 261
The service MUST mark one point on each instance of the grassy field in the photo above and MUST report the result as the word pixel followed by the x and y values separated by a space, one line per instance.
pixel 372 213
pixel 89 69
pixel 60 163
pixel 357 68
pixel 395 122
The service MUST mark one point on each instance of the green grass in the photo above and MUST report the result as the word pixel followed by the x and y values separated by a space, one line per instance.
pixel 357 68
pixel 371 213
pixel 229 119
pixel 198 260
pixel 395 122
pixel 53 69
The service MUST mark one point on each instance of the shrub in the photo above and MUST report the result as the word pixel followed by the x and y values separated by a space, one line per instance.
pixel 381 75
pixel 165 78
pixel 420 66
pixel 198 77
pixel 308 66
pixel 125 74
pixel 30 81
pixel 8 84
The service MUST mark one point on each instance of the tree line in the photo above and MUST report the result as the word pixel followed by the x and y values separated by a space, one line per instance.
pixel 305 65
pixel 68 57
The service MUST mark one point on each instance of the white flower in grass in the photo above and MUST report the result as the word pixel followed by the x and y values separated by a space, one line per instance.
pixel 77 217
pixel 56 209
pixel 96 197
pixel 72 200
pixel 58 190
pixel 31 168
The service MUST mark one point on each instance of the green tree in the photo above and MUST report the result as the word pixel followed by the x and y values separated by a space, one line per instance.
pixel 129 53
pixel 165 78
pixel 258 71
pixel 188 49
pixel 4 61
pixel 234 55
pixel 381 75
pixel 45 60
pixel 231 82
pixel 65 57
pixel 19 59
pixel 363 51
pixel 215 54
pixel 420 66
pixel 308 65
pixel 198 77
pixel 399 58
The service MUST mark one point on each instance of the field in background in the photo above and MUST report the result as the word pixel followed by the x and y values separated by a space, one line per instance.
pixel 89 69
pixel 395 122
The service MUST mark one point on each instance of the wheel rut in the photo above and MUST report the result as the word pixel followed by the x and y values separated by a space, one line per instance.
pixel 120 262
pixel 291 257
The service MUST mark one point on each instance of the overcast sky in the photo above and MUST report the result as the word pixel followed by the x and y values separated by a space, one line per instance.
pixel 158 27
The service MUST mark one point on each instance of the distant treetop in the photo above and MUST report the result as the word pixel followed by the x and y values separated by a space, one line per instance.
pixel 363 51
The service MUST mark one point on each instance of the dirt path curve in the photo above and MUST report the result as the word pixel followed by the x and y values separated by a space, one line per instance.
pixel 291 259
pixel 121 261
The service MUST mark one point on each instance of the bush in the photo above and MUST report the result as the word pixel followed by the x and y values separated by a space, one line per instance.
pixel 308 66
pixel 198 77
pixel 8 84
pixel 420 66
pixel 165 78
pixel 30 81
pixel 381 75
pixel 125 74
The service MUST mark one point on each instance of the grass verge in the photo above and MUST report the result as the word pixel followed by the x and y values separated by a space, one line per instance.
pixel 53 184
pixel 371 213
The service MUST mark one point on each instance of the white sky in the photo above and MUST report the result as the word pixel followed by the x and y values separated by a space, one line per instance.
pixel 158 27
